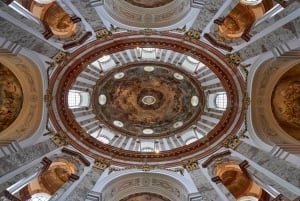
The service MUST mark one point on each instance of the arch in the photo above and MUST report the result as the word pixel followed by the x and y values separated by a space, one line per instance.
pixel 168 184
pixel 30 115
pixel 264 122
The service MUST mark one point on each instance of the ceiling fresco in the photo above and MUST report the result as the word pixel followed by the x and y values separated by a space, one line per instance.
pixel 146 102
pixel 143 100
pixel 286 102
pixel 11 97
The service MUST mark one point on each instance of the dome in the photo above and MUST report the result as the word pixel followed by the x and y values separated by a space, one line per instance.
pixel 147 106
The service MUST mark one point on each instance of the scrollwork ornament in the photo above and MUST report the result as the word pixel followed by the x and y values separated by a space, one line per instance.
pixel 232 142
pixel 101 164
pixel 59 139
pixel 60 57
pixel 234 58
pixel 103 34
pixel 193 34
pixel 190 165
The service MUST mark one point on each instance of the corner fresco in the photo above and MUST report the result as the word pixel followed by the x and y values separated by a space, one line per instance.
pixel 11 97
pixel 286 102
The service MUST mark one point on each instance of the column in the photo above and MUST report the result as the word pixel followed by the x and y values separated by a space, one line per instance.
pixel 25 156
pixel 277 166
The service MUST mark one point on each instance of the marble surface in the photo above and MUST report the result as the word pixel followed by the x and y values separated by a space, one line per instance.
pixel 89 13
pixel 260 27
pixel 25 156
pixel 81 191
pixel 26 173
pixel 206 14
pixel 277 166
pixel 283 190
pixel 25 39
pixel 21 18
pixel 269 41
pixel 204 186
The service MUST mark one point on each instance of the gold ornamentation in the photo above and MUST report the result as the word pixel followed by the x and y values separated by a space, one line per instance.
pixel 148 32
pixel 146 168
pixel 103 34
pixel 190 165
pixel 234 58
pixel 114 169
pixel 114 29
pixel 246 101
pixel 193 34
pixel 101 164
pixel 180 30
pixel 179 170
pixel 59 139
pixel 48 98
pixel 60 57
pixel 232 142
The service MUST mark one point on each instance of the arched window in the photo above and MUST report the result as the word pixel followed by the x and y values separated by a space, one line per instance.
pixel 104 139
pixel 73 99
pixel 190 140
pixel 221 100
pixel 78 99
pixel 147 149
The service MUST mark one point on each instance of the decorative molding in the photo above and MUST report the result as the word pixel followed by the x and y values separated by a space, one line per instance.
pixel 234 58
pixel 148 32
pixel 146 168
pixel 101 164
pixel 48 98
pixel 219 20
pixel 197 3
pixel 192 34
pixel 76 154
pixel 73 177
pixel 217 180
pixel 59 139
pixel 215 43
pixel 180 30
pixel 103 34
pixel 46 164
pixel 77 41
pixel 214 157
pixel 75 19
pixel 47 30
pixel 60 57
pixel 190 165
pixel 232 142
pixel 244 165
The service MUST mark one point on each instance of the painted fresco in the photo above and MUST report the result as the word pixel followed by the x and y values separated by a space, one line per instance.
pixel 11 97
